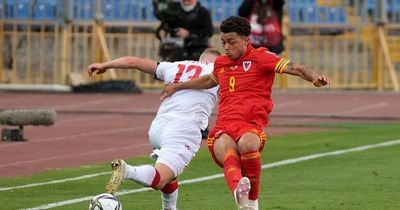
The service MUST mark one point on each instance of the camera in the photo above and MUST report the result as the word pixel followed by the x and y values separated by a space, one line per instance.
pixel 170 13
pixel 171 48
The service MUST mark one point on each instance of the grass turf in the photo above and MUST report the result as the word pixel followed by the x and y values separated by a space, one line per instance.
pixel 359 180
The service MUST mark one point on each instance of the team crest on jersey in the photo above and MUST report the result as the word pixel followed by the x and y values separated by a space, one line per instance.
pixel 246 65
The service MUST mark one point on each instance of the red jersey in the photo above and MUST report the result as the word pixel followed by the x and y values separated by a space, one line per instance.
pixel 245 86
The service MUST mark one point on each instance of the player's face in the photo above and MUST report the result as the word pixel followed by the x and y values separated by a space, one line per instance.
pixel 189 2
pixel 235 46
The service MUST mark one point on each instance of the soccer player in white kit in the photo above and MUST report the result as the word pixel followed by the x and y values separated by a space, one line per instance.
pixel 175 132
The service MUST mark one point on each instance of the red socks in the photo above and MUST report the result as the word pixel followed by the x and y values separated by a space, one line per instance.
pixel 232 169
pixel 156 179
pixel 170 187
pixel 251 168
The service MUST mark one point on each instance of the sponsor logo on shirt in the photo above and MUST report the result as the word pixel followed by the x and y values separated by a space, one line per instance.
pixel 233 68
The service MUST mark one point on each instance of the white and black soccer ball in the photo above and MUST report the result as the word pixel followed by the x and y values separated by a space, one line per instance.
pixel 105 201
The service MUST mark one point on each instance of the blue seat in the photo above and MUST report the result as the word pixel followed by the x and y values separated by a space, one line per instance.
pixel 223 9
pixel 294 14
pixel 148 12
pixel 45 10
pixel 309 14
pixel 112 10
pixel 302 11
pixel 370 4
pixel 3 8
pixel 206 4
pixel 21 9
pixel 219 11
pixel 393 8
pixel 334 15
pixel 128 10
pixel 9 9
pixel 303 3
pixel 82 9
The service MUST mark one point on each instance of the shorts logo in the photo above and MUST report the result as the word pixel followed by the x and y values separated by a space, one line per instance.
pixel 246 65
pixel 187 147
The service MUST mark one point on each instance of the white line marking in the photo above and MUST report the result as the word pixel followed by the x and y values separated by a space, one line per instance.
pixel 289 103
pixel 364 108
pixel 216 176
pixel 92 103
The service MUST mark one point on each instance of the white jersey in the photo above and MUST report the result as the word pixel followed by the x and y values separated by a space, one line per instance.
pixel 189 105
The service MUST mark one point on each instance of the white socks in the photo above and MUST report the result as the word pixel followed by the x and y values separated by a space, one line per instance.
pixel 143 174
pixel 169 200
pixel 254 204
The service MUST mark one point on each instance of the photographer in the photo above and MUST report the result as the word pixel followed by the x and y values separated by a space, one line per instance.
pixel 185 29
pixel 265 17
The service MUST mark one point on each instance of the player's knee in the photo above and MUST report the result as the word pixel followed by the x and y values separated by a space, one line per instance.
pixel 159 186
pixel 248 144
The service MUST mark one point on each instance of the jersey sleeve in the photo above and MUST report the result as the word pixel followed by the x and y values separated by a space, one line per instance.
pixel 218 68
pixel 162 70
pixel 270 61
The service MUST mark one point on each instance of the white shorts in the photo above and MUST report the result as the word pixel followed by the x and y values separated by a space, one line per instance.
pixel 175 142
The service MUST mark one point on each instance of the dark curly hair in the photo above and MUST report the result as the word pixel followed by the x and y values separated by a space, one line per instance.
pixel 236 24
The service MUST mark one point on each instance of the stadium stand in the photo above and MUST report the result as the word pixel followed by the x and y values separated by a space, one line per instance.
pixel 308 11
pixel 82 9
pixel 329 29
pixel 392 9
pixel 45 10
pixel 300 11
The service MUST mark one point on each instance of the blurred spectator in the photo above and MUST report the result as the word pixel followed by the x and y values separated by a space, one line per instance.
pixel 265 17
pixel 185 29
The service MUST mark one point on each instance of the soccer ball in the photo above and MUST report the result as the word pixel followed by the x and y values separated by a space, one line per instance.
pixel 105 201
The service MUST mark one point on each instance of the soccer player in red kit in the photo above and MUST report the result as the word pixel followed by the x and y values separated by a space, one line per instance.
pixel 245 76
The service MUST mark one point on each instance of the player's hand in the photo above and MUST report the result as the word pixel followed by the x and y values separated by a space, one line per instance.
pixel 95 68
pixel 169 90
pixel 321 81
pixel 183 33
pixel 162 33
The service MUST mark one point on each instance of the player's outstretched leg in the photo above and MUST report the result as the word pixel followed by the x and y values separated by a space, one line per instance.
pixel 241 194
pixel 117 176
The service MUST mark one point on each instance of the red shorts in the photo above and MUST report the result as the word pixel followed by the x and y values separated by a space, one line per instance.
pixel 234 130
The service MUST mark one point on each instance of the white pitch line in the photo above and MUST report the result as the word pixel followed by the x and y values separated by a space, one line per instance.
pixel 216 176
pixel 289 103
pixel 364 108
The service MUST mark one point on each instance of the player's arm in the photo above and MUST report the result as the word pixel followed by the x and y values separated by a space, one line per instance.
pixel 204 82
pixel 142 64
pixel 306 73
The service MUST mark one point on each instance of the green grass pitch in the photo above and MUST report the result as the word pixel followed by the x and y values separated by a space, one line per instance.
pixel 368 179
